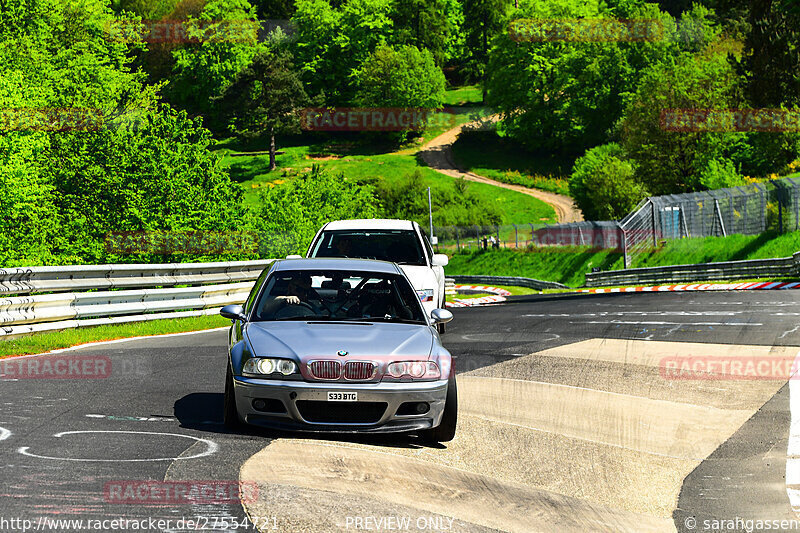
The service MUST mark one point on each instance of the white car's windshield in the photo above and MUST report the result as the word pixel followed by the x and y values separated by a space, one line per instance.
pixel 398 246
pixel 338 295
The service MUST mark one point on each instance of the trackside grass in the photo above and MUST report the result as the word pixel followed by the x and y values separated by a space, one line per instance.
pixel 54 340
pixel 569 265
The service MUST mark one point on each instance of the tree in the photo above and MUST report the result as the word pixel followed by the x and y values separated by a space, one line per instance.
pixel 483 19
pixel 670 161
pixel 227 35
pixel 604 185
pixel 433 25
pixel 332 42
pixel 772 53
pixel 405 77
pixel 566 95
pixel 265 97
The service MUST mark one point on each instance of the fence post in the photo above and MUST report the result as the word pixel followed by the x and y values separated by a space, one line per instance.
pixel 624 239
pixel 532 230
pixel 653 218
pixel 497 230
pixel 458 243
pixel 516 237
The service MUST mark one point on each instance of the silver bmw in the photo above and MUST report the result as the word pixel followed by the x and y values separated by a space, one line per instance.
pixel 339 345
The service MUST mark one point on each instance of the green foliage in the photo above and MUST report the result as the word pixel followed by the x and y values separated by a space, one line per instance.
pixel 228 43
pixel 300 206
pixel 332 42
pixel 604 185
pixel 565 95
pixel 772 53
pixel 671 161
pixel 145 167
pixel 402 77
pixel 483 20
pixel 407 198
pixel 433 25
pixel 720 174
pixel 264 98
pixel 156 176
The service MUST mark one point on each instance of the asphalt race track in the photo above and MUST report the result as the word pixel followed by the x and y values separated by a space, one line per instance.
pixel 568 422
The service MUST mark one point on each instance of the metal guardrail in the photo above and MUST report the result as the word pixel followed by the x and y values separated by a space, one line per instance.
pixel 726 270
pixel 29 280
pixel 511 281
pixel 33 313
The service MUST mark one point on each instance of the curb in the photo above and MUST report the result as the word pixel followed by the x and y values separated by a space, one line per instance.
pixel 499 295
pixel 747 286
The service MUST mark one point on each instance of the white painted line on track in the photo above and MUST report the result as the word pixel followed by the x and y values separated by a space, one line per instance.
pixel 668 323
pixel 4 433
pixel 793 448
pixel 211 447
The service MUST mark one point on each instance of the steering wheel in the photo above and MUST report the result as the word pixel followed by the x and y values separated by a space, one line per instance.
pixel 296 310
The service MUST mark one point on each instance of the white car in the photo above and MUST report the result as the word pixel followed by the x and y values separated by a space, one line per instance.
pixel 400 241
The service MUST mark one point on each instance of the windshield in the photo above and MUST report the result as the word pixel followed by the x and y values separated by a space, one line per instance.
pixel 398 246
pixel 338 295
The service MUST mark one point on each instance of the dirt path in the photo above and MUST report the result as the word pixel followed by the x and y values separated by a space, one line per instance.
pixel 438 155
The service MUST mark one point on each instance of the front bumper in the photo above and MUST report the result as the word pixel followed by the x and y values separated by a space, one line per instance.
pixel 393 394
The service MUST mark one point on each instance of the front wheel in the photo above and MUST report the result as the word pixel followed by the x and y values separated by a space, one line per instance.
pixel 230 415
pixel 445 431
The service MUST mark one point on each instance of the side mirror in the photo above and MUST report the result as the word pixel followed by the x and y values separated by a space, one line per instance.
pixel 440 260
pixel 294 256
pixel 441 316
pixel 234 312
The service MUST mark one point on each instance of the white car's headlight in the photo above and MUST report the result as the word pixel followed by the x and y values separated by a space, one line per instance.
pixel 268 365
pixel 414 369
pixel 425 295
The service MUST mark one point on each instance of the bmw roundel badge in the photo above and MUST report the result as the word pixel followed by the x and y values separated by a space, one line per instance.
pixel 341 353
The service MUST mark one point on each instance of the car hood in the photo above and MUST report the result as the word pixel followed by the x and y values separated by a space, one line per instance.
pixel 421 277
pixel 307 340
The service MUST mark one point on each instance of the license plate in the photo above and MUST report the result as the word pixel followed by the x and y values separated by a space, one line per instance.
pixel 342 396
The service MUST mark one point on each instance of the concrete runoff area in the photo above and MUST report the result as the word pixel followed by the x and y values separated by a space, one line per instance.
pixel 532 455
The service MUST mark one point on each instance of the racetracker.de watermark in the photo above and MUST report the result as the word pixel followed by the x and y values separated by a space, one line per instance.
pixel 371 119
pixel 194 31
pixel 179 492
pixel 729 120
pixel 721 368
pixel 186 242
pixel 586 30
pixel 56 367
pixel 52 119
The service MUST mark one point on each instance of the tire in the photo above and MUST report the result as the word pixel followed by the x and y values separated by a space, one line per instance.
pixel 230 415
pixel 445 431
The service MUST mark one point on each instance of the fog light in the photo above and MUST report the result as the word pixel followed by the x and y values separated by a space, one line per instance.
pixel 422 407
pixel 259 404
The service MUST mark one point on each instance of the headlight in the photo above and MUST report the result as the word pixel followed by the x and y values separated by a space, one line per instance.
pixel 266 366
pixel 425 295
pixel 414 369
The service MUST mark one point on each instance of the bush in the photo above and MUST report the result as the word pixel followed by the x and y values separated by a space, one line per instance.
pixel 402 77
pixel 604 185
pixel 720 174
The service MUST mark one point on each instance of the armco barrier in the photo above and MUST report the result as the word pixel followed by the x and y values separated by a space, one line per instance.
pixel 27 280
pixel 727 270
pixel 511 281
pixel 32 313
